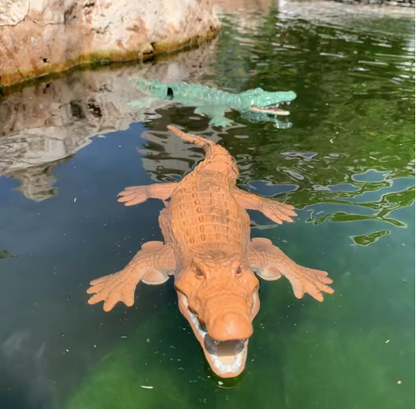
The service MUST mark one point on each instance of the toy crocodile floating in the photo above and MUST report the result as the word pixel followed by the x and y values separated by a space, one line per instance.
pixel 207 248
pixel 254 105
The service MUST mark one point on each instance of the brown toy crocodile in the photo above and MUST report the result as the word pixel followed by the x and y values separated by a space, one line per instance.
pixel 208 249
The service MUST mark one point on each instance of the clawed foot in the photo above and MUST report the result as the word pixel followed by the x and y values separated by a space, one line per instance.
pixel 271 263
pixel 307 280
pixel 133 195
pixel 276 211
pixel 221 121
pixel 113 288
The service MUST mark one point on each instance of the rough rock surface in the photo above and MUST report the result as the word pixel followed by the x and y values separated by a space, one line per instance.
pixel 42 36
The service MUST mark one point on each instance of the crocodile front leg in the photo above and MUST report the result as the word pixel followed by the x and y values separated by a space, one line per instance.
pixel 216 113
pixel 138 194
pixel 274 210
pixel 151 265
pixel 270 263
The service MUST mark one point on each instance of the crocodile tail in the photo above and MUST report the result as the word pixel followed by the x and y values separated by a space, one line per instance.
pixel 195 139
pixel 216 157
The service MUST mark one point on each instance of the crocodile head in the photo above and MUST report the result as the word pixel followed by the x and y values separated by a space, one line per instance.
pixel 259 100
pixel 218 295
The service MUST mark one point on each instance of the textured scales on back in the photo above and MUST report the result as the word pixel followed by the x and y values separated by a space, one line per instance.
pixel 254 104
pixel 203 210
pixel 207 248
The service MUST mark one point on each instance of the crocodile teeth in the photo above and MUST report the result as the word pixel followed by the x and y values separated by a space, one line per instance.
pixel 214 347
pixel 270 109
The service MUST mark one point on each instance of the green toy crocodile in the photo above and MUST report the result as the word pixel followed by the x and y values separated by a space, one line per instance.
pixel 254 105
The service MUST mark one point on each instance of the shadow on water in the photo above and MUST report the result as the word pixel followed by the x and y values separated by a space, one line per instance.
pixel 69 145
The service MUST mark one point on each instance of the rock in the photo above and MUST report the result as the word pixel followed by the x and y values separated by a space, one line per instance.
pixel 43 36
pixel 13 11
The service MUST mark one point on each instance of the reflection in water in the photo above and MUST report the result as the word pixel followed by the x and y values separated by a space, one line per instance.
pixel 367 239
pixel 383 207
pixel 37 181
pixel 43 124
pixel 349 157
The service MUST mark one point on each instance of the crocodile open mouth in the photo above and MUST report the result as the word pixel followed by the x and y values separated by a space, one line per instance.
pixel 272 109
pixel 226 357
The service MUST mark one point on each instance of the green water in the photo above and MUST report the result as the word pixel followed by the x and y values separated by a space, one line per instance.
pixel 347 164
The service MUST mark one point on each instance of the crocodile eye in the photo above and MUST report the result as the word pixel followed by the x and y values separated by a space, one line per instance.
pixel 238 271
pixel 199 272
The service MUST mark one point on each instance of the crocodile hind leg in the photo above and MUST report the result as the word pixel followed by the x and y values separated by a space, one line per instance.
pixel 274 210
pixel 270 263
pixel 151 264
pixel 138 194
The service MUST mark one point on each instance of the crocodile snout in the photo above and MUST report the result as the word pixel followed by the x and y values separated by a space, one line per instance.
pixel 230 326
